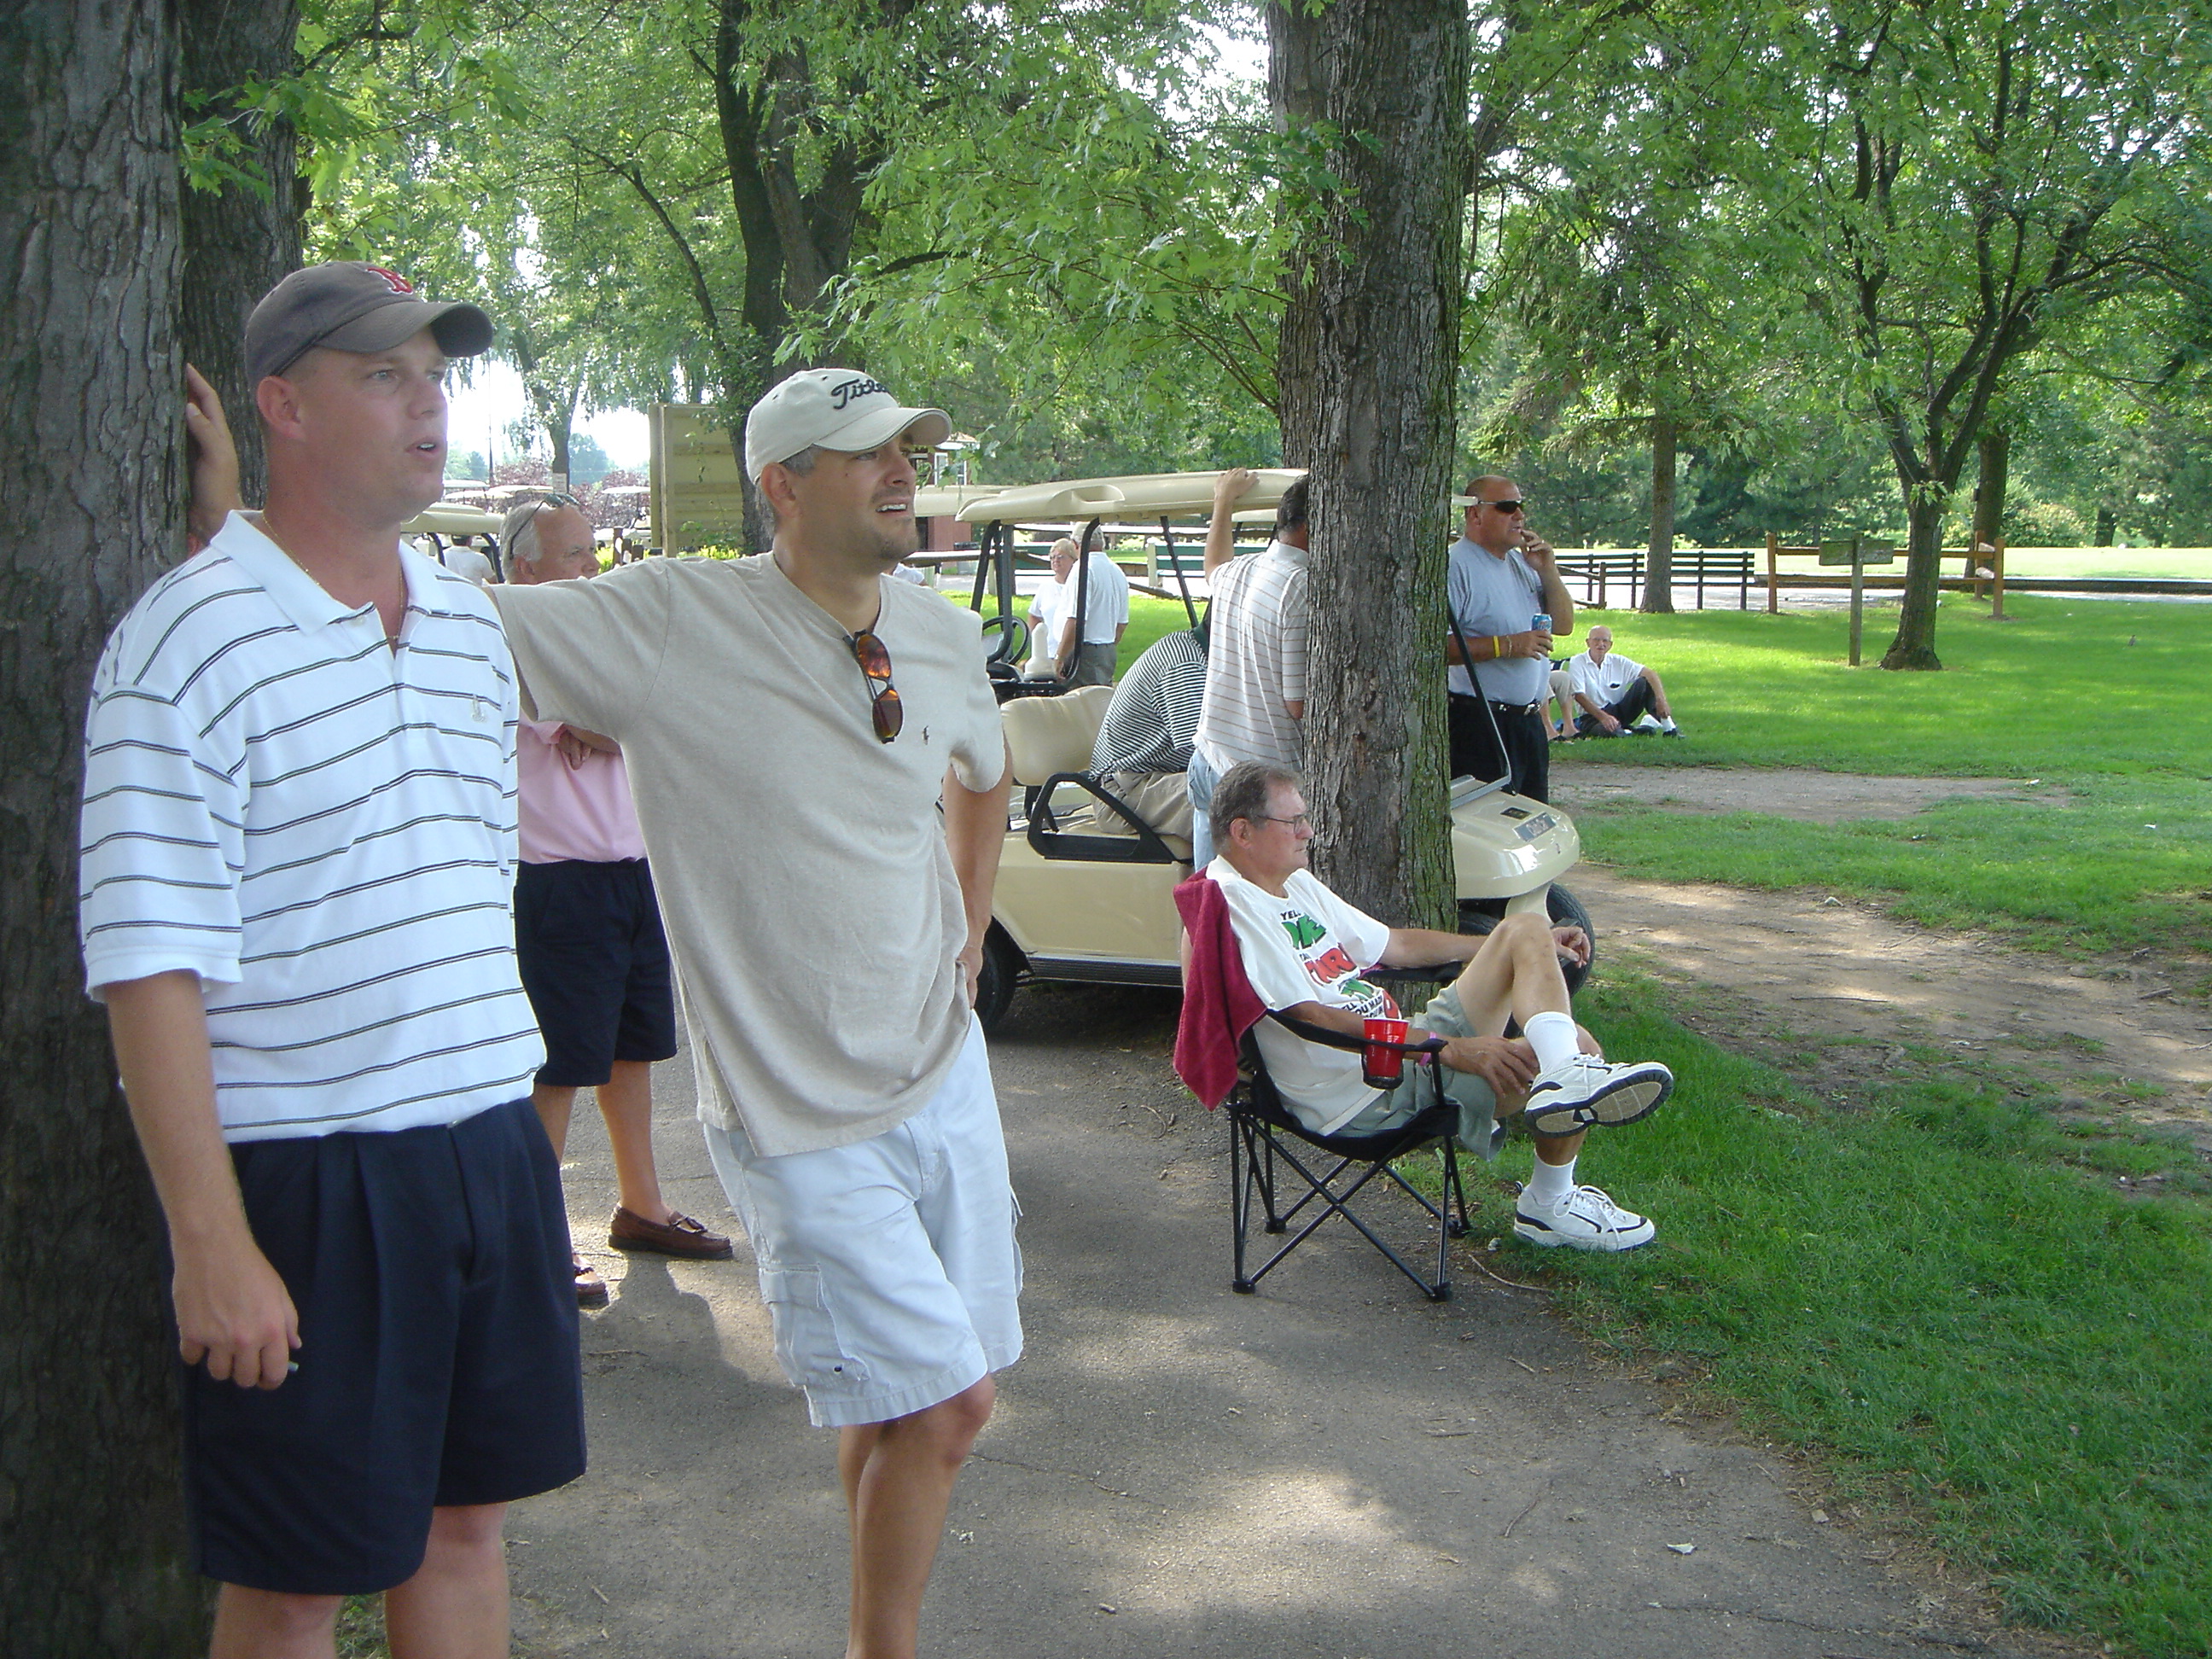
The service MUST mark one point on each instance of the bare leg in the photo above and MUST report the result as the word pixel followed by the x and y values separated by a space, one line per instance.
pixel 553 1106
pixel 626 1102
pixel 1516 972
pixel 455 1606
pixel 253 1623
pixel 898 1482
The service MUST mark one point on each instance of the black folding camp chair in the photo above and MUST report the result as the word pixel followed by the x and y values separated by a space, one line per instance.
pixel 1267 1145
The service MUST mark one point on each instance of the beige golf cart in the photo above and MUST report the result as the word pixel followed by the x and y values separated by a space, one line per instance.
pixel 1084 886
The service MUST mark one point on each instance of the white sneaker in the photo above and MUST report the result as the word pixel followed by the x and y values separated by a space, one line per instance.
pixel 1586 1092
pixel 1585 1219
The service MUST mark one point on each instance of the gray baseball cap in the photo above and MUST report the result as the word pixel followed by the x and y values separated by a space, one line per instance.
pixel 837 408
pixel 352 306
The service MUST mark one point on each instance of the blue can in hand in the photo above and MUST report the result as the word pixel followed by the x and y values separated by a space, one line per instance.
pixel 1540 623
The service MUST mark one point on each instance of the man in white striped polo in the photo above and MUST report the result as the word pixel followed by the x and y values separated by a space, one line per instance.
pixel 298 850
pixel 1256 671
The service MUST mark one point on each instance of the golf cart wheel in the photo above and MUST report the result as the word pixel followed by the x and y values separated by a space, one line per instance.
pixel 994 986
pixel 1480 916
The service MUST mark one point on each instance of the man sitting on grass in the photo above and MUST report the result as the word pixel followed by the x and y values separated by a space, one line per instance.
pixel 1303 951
pixel 1615 694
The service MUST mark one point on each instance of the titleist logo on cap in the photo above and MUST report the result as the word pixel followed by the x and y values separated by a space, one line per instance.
pixel 840 408
pixel 860 387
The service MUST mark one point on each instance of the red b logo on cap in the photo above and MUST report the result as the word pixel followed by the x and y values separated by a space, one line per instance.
pixel 393 280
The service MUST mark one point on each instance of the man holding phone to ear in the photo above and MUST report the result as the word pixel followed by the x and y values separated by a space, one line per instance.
pixel 1509 603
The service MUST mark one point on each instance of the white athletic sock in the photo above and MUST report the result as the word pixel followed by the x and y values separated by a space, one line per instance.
pixel 1553 1037
pixel 1549 1183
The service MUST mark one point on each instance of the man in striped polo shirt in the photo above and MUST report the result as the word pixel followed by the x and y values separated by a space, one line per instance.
pixel 298 850
pixel 1256 674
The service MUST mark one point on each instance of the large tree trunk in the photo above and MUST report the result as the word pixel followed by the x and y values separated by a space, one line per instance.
pixel 1659 561
pixel 1994 448
pixel 1915 644
pixel 90 449
pixel 238 243
pixel 1369 353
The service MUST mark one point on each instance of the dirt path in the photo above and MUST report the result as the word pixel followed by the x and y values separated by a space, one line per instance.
pixel 2114 1035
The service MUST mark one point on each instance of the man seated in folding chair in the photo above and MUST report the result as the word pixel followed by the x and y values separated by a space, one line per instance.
pixel 1304 952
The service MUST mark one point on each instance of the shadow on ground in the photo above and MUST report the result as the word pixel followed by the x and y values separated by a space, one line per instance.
pixel 1333 1467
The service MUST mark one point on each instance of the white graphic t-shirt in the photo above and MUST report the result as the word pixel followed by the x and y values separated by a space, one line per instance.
pixel 1308 946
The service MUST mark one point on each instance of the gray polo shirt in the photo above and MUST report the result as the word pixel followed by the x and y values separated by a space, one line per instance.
pixel 1490 595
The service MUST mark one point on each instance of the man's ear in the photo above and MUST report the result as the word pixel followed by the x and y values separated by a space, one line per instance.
pixel 776 488
pixel 277 401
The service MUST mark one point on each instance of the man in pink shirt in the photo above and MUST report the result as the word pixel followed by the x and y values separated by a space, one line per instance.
pixel 587 931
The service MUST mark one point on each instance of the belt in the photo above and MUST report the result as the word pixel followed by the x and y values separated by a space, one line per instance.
pixel 1503 708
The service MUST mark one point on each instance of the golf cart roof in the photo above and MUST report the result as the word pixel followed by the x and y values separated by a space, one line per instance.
pixel 452 519
pixel 1134 497
pixel 946 500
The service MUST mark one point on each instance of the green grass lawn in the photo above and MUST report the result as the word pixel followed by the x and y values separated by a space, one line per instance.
pixel 2109 704
pixel 1944 1292
pixel 2188 563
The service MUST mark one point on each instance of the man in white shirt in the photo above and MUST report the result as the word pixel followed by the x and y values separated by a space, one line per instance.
pixel 1305 951
pixel 299 846
pixel 461 557
pixel 1101 593
pixel 1047 607
pixel 1616 695
pixel 1256 671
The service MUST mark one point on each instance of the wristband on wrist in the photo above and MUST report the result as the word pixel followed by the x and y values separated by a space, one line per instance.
pixel 1496 647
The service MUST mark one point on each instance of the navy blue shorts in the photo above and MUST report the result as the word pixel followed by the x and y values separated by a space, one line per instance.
pixel 595 963
pixel 438 1356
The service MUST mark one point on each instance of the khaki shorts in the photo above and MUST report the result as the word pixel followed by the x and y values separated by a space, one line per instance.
pixel 889 1267
pixel 1480 1132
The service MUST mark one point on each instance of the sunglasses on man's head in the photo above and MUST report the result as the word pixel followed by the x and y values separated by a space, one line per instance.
pixel 884 698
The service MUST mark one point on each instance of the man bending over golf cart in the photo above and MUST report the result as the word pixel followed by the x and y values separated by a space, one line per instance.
pixel 1304 950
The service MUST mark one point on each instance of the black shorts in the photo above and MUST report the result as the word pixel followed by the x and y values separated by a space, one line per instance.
pixel 438 1356
pixel 594 960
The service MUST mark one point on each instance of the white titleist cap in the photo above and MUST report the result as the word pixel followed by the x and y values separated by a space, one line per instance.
pixel 836 408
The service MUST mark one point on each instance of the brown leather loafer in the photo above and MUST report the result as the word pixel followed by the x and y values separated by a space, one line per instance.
pixel 677 1235
pixel 591 1289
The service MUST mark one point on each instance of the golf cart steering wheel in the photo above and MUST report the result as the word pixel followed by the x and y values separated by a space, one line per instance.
pixel 1010 647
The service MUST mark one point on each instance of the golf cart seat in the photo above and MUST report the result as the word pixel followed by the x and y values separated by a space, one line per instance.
pixel 1050 739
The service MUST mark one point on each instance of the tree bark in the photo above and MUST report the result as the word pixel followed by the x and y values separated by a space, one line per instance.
pixel 1995 448
pixel 1659 560
pixel 1367 359
pixel 91 1507
pixel 1914 647
pixel 238 243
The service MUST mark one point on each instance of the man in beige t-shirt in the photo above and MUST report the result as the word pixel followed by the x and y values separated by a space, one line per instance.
pixel 792 722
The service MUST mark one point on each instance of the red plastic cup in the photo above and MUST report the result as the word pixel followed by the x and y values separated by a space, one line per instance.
pixel 1382 1068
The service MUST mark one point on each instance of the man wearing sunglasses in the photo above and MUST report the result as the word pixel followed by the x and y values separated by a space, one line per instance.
pixel 1502 576
pixel 791 723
